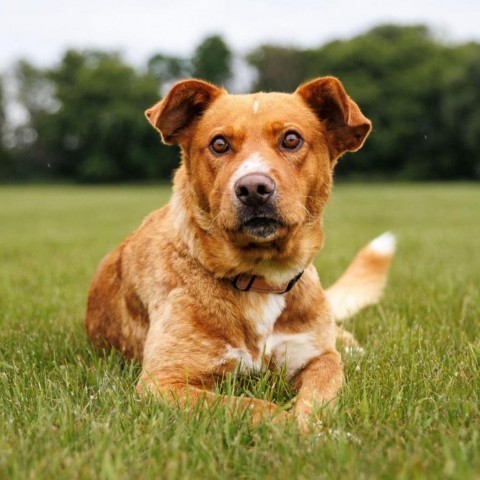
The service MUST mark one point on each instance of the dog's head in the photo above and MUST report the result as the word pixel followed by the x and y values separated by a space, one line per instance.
pixel 257 169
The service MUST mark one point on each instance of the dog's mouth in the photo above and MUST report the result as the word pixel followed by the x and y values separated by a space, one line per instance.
pixel 261 227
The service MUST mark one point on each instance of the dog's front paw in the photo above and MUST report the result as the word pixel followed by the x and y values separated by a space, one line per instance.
pixel 310 424
pixel 309 417
pixel 262 410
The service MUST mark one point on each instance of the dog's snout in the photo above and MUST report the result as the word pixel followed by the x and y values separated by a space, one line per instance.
pixel 254 189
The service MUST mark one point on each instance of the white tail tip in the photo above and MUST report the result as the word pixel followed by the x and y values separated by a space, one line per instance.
pixel 384 244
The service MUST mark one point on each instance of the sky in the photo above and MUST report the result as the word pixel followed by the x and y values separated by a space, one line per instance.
pixel 41 30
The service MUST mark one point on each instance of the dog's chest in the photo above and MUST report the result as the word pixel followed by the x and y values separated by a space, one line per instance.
pixel 289 350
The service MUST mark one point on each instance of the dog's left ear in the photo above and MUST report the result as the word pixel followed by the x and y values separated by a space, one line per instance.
pixel 185 103
pixel 345 125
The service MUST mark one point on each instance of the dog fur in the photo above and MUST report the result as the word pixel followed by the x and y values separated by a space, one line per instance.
pixel 165 296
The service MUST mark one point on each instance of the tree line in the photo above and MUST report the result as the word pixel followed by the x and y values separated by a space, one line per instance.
pixel 84 116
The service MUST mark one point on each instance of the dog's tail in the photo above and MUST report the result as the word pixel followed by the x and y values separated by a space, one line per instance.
pixel 363 282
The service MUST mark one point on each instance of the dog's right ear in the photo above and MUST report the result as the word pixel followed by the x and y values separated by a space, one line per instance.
pixel 185 102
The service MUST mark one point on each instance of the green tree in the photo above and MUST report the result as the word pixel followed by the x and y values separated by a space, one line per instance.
pixel 416 90
pixel 6 165
pixel 395 75
pixel 279 69
pixel 460 112
pixel 96 130
pixel 212 60
pixel 2 114
pixel 167 68
pixel 85 115
pixel 35 94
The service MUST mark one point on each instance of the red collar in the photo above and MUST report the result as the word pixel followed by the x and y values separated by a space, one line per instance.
pixel 252 283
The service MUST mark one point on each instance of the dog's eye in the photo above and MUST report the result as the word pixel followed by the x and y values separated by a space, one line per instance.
pixel 219 145
pixel 292 141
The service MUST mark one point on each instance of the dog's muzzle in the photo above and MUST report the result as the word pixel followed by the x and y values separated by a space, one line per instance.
pixel 256 211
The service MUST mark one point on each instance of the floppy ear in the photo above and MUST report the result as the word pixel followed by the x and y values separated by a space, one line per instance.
pixel 185 102
pixel 346 126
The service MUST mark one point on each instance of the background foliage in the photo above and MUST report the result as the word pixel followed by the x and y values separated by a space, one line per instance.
pixel 84 117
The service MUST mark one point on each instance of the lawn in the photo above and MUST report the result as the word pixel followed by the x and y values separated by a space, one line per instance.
pixel 411 405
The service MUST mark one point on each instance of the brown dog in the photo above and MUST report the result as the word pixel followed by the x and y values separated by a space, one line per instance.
pixel 222 276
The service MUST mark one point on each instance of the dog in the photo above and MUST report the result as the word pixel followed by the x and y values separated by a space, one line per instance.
pixel 221 278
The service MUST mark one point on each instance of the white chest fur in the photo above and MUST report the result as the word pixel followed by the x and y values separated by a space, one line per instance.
pixel 291 350
pixel 264 312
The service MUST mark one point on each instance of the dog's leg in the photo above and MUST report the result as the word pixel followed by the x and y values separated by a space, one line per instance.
pixel 181 361
pixel 186 396
pixel 317 384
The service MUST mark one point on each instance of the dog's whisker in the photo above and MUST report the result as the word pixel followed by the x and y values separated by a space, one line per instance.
pixel 303 196
pixel 217 216
pixel 307 211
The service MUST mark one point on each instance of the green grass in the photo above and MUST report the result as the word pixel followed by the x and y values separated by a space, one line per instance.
pixel 410 407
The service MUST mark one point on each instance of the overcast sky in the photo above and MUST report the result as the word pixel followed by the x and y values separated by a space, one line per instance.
pixel 40 30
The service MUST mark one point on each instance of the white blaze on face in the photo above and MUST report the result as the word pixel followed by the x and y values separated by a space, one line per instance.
pixel 256 106
pixel 252 164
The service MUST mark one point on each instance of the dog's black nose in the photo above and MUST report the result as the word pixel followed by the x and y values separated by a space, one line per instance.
pixel 254 189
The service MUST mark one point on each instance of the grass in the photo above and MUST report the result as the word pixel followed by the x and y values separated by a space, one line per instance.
pixel 410 408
